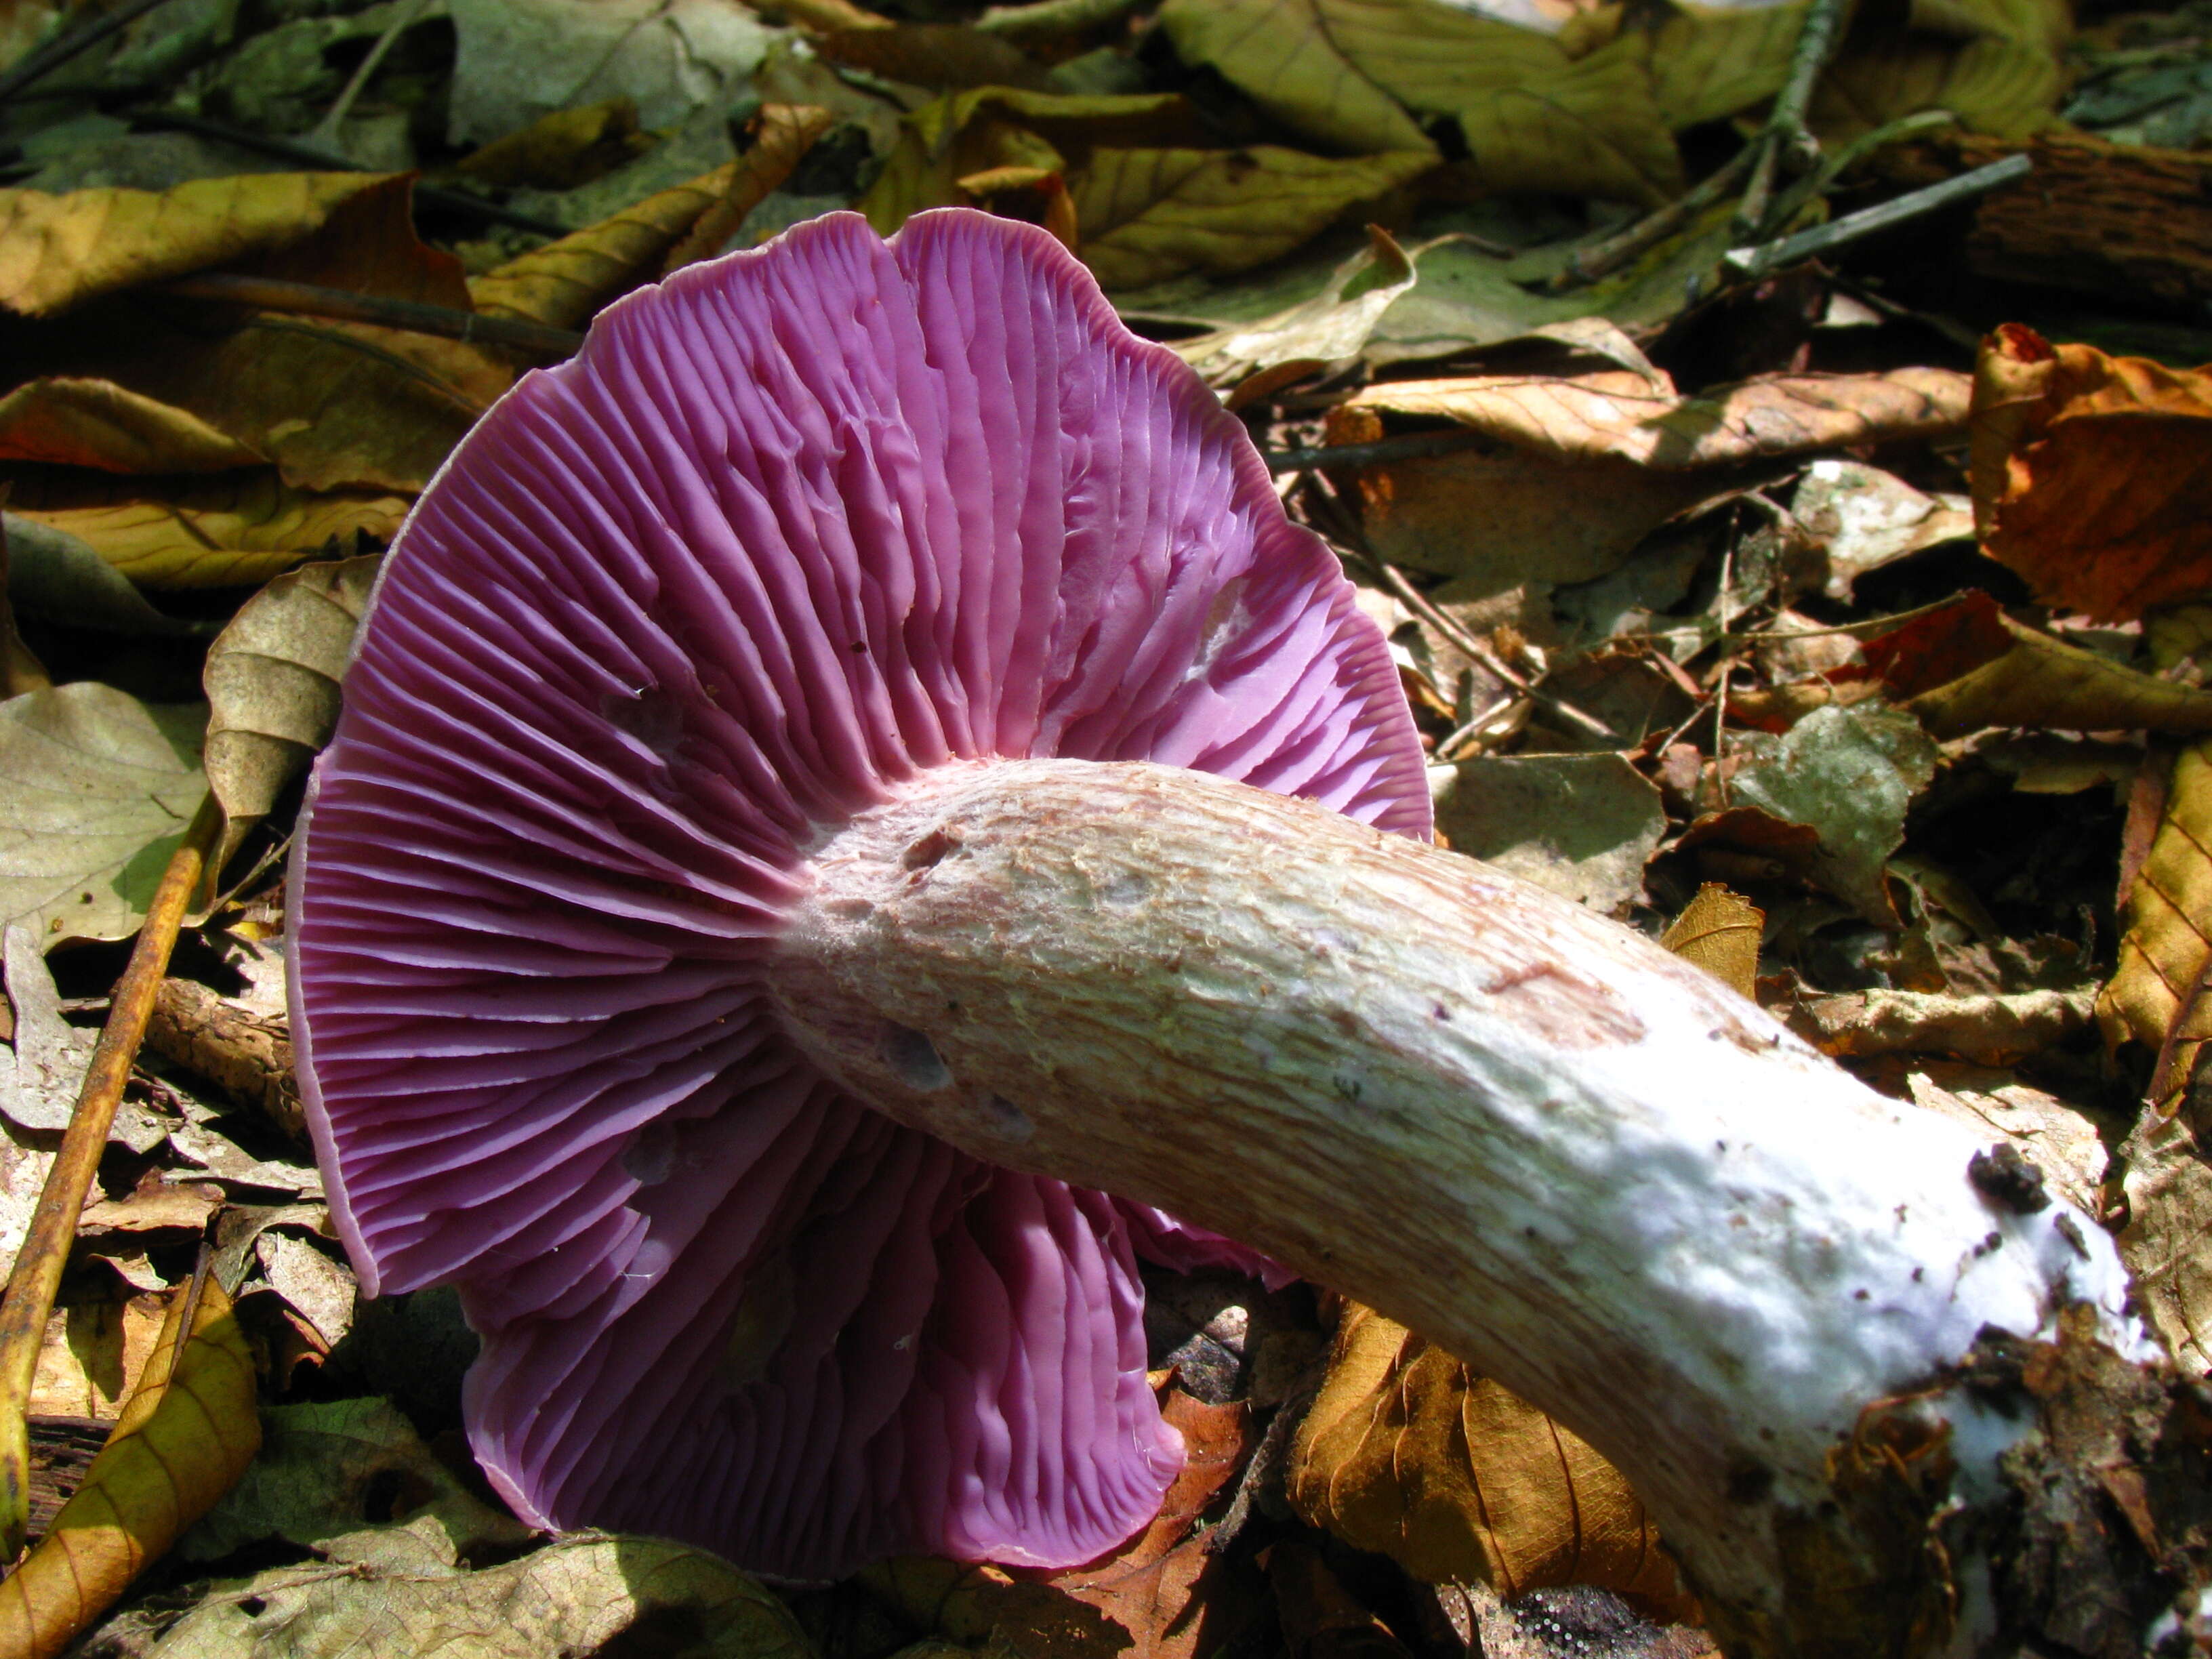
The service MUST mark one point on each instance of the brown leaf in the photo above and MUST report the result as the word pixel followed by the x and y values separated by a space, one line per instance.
pixel 1407 1452
pixel 1719 930
pixel 179 1444
pixel 563 282
pixel 59 251
pixel 1637 416
pixel 228 532
pixel 781 135
pixel 86 423
pixel 2167 1241
pixel 1966 665
pixel 2091 475
pixel 2155 996
pixel 1990 1030
pixel 939 56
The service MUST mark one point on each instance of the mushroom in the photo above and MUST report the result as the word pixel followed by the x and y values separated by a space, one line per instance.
pixel 856 767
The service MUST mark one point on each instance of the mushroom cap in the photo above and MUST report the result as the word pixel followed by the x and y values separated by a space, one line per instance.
pixel 793 525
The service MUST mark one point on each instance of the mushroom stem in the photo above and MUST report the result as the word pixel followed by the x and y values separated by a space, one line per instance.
pixel 1563 1155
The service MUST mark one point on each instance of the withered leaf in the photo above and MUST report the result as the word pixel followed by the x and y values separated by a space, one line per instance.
pixel 1720 930
pixel 782 134
pixel 70 422
pixel 2090 473
pixel 1588 128
pixel 1407 1452
pixel 1298 60
pixel 2155 996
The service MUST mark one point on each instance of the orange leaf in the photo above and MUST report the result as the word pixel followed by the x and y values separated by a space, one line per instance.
pixel 2091 475
pixel 179 1445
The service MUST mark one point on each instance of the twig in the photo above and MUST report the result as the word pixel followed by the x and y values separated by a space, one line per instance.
pixel 308 299
pixel 325 134
pixel 312 156
pixel 1749 262
pixel 41 63
pixel 1785 125
pixel 1412 447
pixel 1604 258
pixel 38 1271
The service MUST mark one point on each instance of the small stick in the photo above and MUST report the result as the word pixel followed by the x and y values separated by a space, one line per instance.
pixel 1602 259
pixel 1751 262
pixel 308 299
pixel 39 65
pixel 325 132
pixel 1412 447
pixel 38 1271
pixel 1045 19
pixel 1785 125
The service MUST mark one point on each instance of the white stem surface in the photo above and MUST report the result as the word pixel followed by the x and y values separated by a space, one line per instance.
pixel 1569 1158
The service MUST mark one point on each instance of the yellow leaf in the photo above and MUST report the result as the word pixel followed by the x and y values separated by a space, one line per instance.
pixel 1287 56
pixel 179 1444
pixel 563 282
pixel 1148 214
pixel 1638 416
pixel 85 422
pixel 989 128
pixel 2156 996
pixel 1589 127
pixel 56 251
pixel 234 530
pixel 562 150
pixel 1407 1452
pixel 782 134
pixel 1711 62
pixel 1719 930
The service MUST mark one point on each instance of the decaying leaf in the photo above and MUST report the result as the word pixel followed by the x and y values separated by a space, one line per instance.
pixel 2090 473
pixel 1710 62
pixel 1328 328
pixel 1636 415
pixel 563 282
pixel 2064 1145
pixel 2156 995
pixel 1720 930
pixel 1581 825
pixel 987 1607
pixel 2167 1241
pixel 1317 64
pixel 329 1469
pixel 1588 128
pixel 559 151
pixel 1865 518
pixel 59 251
pixel 782 134
pixel 1408 1453
pixel 190 1429
pixel 1989 1030
pixel 56 577
pixel 272 683
pixel 1968 665
pixel 85 422
pixel 102 788
pixel 235 530
pixel 94 1352
pixel 393 1593
pixel 1850 774
pixel 1148 214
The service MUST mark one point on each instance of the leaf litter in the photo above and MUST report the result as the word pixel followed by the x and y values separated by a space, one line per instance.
pixel 1867 661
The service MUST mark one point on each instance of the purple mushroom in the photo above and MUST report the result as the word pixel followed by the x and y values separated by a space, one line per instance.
pixel 796 527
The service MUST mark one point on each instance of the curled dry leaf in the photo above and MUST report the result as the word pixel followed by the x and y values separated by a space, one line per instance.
pixel 272 684
pixel 2167 1241
pixel 2090 473
pixel 1407 1452
pixel 100 788
pixel 1328 328
pixel 1967 665
pixel 1720 930
pixel 59 251
pixel 563 282
pixel 782 134
pixel 2156 995
pixel 1637 416
pixel 66 422
pixel 230 531
pixel 189 1430
pixel 1990 1030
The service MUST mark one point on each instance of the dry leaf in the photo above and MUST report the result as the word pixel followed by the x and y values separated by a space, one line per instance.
pixel 1588 128
pixel 1295 59
pixel 179 1444
pixel 1407 1452
pixel 1720 932
pixel 1989 1030
pixel 1864 518
pixel 234 530
pixel 562 150
pixel 2009 88
pixel 1639 416
pixel 781 135
pixel 1148 214
pixel 1581 825
pixel 939 56
pixel 2089 473
pixel 1967 666
pixel 1328 328
pixel 100 788
pixel 272 684
pixel 2167 1241
pixel 1711 62
pixel 2156 995
pixel 86 422
pixel 94 1352
pixel 987 1607
pixel 563 282
pixel 59 251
